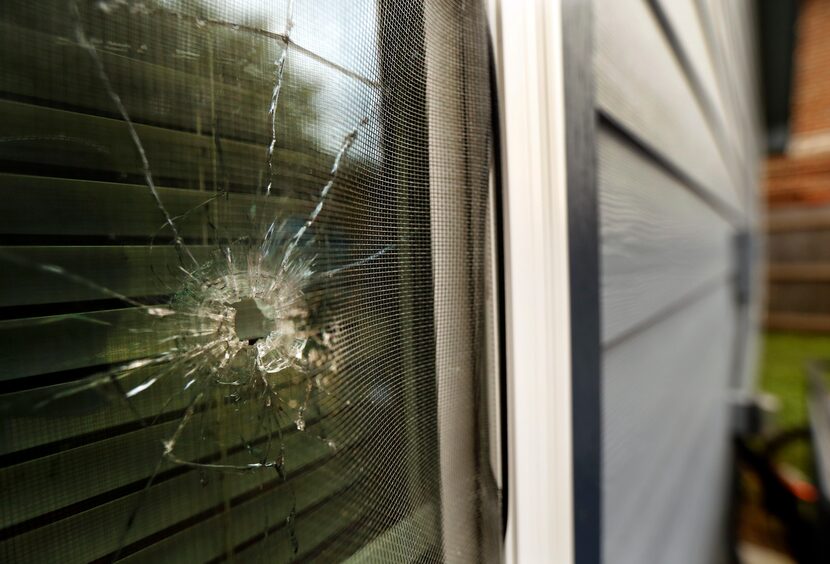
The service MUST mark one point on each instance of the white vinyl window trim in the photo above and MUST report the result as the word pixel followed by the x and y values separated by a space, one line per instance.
pixel 528 49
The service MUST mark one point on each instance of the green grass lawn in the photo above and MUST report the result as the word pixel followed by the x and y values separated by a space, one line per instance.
pixel 783 375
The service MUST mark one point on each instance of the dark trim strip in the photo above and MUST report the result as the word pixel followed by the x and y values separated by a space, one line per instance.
pixel 726 211
pixel 583 255
pixel 501 276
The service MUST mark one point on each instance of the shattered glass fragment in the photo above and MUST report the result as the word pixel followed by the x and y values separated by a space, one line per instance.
pixel 220 303
pixel 238 333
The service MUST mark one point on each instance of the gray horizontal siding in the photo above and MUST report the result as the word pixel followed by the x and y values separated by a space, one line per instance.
pixel 641 85
pixel 660 242
pixel 677 157
pixel 665 435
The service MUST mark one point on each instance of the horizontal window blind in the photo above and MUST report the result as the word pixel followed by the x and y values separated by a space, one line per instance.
pixel 226 288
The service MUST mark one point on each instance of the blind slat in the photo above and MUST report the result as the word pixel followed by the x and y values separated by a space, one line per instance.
pixel 171 505
pixel 47 484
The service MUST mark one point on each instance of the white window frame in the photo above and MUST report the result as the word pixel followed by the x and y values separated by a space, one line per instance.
pixel 529 56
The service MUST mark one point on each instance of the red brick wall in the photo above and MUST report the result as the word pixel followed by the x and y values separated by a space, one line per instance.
pixel 798 188
pixel 811 77
pixel 803 174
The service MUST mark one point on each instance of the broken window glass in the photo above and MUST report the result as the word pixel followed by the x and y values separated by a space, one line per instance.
pixel 244 282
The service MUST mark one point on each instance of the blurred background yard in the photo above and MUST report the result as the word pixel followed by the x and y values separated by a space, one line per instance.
pixel 785 355
pixel 797 252
pixel 798 215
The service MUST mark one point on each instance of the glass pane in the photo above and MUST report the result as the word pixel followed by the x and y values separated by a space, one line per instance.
pixel 244 291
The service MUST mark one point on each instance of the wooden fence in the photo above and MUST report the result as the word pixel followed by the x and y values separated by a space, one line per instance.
pixel 798 271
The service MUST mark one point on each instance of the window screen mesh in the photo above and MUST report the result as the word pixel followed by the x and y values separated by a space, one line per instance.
pixel 245 291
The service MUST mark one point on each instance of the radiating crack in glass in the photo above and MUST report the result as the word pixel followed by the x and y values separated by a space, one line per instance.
pixel 275 96
pixel 80 36
pixel 243 318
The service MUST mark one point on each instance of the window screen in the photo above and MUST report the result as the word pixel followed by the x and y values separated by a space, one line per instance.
pixel 246 302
